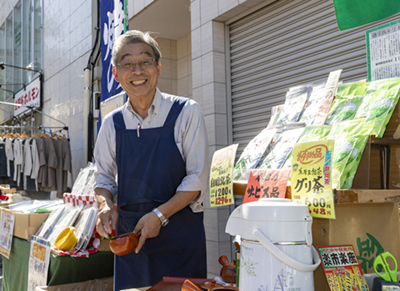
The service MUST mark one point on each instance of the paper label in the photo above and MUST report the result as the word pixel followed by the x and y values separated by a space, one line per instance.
pixel 221 176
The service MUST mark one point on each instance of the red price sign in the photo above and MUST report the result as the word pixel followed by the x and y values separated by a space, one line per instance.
pixel 266 184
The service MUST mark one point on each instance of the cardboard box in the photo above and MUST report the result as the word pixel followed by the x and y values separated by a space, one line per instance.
pixel 371 228
pixel 104 245
pixel 27 224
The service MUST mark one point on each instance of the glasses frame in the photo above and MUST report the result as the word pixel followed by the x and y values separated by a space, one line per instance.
pixel 134 64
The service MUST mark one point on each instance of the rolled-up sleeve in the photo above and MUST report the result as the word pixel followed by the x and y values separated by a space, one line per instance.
pixel 104 154
pixel 194 146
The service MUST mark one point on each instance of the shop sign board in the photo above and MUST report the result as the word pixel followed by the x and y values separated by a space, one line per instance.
pixel 39 259
pixel 311 177
pixel 221 183
pixel 342 270
pixel 30 96
pixel 383 53
pixel 266 184
pixel 6 231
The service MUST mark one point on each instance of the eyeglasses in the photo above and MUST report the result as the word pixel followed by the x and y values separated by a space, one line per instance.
pixel 130 66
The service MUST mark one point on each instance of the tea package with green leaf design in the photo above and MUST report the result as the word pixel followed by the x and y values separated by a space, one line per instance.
pixel 348 98
pixel 252 154
pixel 345 134
pixel 350 170
pixel 378 104
pixel 281 149
pixel 310 133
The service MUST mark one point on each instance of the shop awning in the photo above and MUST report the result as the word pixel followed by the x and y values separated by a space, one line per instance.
pixel 353 13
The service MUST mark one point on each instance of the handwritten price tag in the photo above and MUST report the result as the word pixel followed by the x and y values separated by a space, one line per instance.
pixel 221 176
pixel 266 184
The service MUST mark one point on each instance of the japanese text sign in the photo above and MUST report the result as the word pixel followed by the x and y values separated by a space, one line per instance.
pixel 221 176
pixel 266 184
pixel 39 259
pixel 311 177
pixel 341 268
pixel 6 232
pixel 29 96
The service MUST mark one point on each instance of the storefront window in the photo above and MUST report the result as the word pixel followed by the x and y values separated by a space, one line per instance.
pixel 37 39
pixel 2 57
pixel 17 47
pixel 21 45
pixel 9 55
pixel 27 35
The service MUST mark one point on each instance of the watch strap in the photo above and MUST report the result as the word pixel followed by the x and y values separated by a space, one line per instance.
pixel 164 221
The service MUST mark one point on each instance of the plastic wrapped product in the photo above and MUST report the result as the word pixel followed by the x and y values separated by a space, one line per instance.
pixel 313 104
pixel 252 153
pixel 295 100
pixel 275 113
pixel 348 98
pixel 310 133
pixel 281 149
pixel 350 170
pixel 345 134
pixel 379 102
pixel 381 111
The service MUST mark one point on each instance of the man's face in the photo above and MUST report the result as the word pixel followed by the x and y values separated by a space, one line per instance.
pixel 139 82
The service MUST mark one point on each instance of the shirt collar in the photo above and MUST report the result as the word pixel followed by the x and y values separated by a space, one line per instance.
pixel 154 108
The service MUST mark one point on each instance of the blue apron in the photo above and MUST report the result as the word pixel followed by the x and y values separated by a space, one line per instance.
pixel 150 169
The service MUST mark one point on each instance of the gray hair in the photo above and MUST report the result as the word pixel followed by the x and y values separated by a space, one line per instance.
pixel 134 36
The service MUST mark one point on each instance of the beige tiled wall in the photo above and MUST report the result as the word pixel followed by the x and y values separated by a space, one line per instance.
pixel 176 66
pixel 210 90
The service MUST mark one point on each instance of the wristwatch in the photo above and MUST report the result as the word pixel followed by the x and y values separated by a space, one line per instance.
pixel 164 221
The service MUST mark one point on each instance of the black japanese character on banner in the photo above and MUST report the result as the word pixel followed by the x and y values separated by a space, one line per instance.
pixel 326 259
pixel 318 187
pixel 335 259
pixel 352 257
pixel 274 193
pixel 343 258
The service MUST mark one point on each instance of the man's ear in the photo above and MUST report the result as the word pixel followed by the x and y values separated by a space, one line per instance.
pixel 159 68
pixel 115 73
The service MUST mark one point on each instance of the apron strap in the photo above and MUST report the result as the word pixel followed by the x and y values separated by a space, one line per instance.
pixel 119 119
pixel 175 111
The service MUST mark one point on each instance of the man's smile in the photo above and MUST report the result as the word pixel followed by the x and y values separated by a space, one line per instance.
pixel 138 83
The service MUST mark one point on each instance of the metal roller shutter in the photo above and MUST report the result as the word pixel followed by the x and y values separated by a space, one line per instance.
pixel 287 43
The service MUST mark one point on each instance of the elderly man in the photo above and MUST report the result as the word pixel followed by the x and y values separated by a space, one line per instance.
pixel 156 145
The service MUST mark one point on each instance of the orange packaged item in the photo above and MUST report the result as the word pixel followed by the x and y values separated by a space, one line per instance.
pixel 125 243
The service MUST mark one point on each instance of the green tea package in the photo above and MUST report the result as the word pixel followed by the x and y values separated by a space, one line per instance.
pixel 310 133
pixel 295 100
pixel 252 154
pixel 345 134
pixel 328 96
pixel 382 110
pixel 379 103
pixel 275 113
pixel 282 148
pixel 346 180
pixel 348 98
pixel 313 104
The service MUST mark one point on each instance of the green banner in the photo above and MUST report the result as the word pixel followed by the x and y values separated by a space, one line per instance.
pixel 353 13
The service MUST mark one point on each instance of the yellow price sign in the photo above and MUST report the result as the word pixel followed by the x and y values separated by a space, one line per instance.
pixel 221 176
pixel 311 177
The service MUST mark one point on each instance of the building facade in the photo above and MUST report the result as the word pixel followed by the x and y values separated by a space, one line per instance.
pixel 236 58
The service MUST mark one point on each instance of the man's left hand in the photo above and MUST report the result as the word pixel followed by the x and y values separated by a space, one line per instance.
pixel 149 226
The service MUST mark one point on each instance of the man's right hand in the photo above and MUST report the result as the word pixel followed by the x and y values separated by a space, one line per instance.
pixel 108 216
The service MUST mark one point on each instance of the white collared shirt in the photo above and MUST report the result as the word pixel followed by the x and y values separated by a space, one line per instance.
pixel 190 137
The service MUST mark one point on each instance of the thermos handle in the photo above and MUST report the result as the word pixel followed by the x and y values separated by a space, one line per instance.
pixel 284 257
